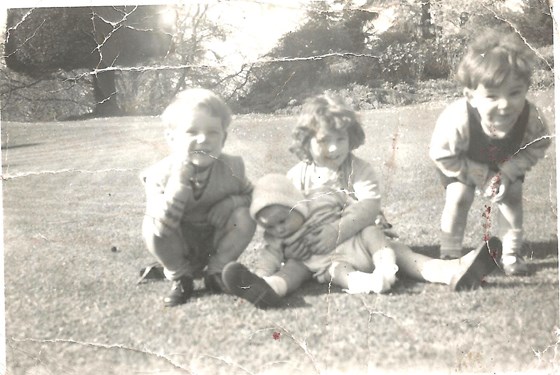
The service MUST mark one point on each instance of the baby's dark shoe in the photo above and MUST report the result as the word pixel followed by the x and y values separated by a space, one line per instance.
pixel 245 284
pixel 514 265
pixel 477 264
pixel 181 291
pixel 214 283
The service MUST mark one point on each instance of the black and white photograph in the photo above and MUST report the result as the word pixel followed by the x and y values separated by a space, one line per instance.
pixel 267 187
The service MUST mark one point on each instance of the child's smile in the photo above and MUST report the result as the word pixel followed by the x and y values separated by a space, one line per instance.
pixel 499 107
pixel 199 140
pixel 330 148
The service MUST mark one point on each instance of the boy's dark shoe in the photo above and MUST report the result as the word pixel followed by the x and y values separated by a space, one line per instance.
pixel 245 284
pixel 181 291
pixel 477 264
pixel 214 283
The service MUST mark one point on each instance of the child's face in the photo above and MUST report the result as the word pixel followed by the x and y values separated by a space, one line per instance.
pixel 499 107
pixel 198 139
pixel 279 221
pixel 329 148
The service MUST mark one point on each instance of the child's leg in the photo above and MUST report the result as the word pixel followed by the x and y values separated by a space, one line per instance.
pixel 466 272
pixel 422 267
pixel 510 224
pixel 289 278
pixel 342 272
pixel 231 240
pixel 458 200
pixel 354 262
pixel 170 250
pixel 384 260
pixel 266 291
pixel 353 281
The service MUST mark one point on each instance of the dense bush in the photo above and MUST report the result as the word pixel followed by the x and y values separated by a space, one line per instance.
pixel 331 51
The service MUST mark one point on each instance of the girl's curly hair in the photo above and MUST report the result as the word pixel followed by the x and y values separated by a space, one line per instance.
pixel 326 111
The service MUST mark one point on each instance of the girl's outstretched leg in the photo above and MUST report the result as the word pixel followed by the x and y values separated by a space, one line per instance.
pixel 379 281
pixel 466 272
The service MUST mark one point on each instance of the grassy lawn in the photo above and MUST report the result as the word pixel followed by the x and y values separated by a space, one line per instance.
pixel 71 193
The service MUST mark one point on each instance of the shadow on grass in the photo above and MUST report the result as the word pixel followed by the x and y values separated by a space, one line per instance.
pixel 541 250
pixel 430 250
pixel 532 250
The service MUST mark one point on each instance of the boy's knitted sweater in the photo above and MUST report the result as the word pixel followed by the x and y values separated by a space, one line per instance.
pixel 169 201
pixel 450 145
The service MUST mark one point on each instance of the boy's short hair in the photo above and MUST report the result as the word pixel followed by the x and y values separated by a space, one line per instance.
pixel 329 111
pixel 492 57
pixel 196 98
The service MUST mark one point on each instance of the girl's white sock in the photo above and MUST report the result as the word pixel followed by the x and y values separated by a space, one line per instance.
pixel 278 284
pixel 359 282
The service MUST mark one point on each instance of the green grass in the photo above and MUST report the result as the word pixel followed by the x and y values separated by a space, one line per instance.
pixel 71 192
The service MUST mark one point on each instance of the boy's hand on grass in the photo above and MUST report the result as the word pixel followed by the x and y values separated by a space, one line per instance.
pixel 220 213
pixel 324 239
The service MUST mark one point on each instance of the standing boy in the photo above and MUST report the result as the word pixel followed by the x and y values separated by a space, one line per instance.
pixel 488 141
pixel 197 199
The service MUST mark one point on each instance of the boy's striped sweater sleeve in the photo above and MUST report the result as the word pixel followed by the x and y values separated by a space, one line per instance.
pixel 165 201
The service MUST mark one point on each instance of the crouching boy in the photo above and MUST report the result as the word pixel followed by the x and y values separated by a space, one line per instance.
pixel 197 199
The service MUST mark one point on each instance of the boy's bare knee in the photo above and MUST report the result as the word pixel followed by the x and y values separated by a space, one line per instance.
pixel 459 195
pixel 514 194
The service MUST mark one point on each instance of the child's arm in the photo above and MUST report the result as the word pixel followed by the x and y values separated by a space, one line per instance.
pixel 449 144
pixel 166 201
pixel 297 245
pixel 221 211
pixel 360 213
pixel 534 145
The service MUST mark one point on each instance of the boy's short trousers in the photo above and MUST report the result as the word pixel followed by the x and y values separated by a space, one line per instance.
pixel 445 180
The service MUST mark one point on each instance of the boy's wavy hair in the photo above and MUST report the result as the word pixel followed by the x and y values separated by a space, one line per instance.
pixel 196 98
pixel 492 57
pixel 325 111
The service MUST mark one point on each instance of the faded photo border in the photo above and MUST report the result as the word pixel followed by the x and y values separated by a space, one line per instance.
pixel 76 297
